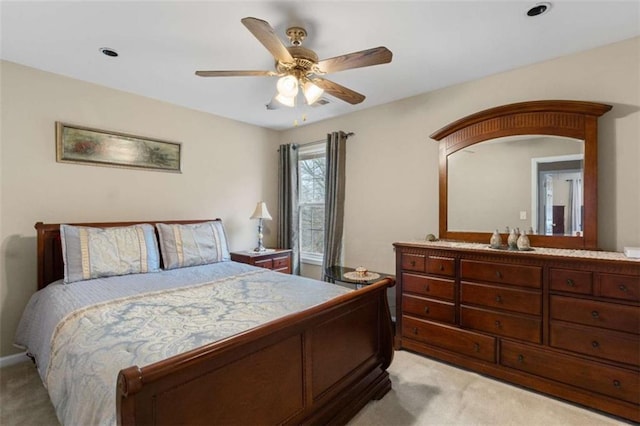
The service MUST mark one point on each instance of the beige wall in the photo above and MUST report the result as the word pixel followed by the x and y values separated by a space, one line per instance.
pixel 227 167
pixel 392 164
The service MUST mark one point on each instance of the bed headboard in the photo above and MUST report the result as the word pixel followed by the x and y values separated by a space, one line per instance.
pixel 49 247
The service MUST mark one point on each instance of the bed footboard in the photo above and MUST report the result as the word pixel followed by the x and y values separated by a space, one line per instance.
pixel 319 366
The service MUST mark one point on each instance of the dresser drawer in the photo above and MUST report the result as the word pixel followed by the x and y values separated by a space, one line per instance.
pixel 428 308
pixel 618 287
pixel 413 262
pixel 441 266
pixel 597 314
pixel 453 339
pixel 264 263
pixel 502 324
pixel 607 344
pixel 527 302
pixel 570 281
pixel 520 275
pixel 428 286
pixel 606 380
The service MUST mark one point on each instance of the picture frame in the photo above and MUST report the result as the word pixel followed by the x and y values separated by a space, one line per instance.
pixel 84 145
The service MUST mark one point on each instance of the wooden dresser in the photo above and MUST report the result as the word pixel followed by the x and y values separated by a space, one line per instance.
pixel 562 322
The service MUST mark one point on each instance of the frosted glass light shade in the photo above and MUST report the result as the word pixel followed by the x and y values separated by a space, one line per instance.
pixel 287 86
pixel 311 92
pixel 261 211
pixel 289 101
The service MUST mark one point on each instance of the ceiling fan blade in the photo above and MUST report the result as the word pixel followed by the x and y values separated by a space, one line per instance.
pixel 267 36
pixel 340 92
pixel 363 58
pixel 235 73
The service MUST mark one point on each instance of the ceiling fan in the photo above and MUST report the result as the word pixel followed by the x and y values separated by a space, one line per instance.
pixel 299 67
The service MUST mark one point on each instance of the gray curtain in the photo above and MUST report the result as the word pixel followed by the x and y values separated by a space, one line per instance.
pixel 334 199
pixel 288 212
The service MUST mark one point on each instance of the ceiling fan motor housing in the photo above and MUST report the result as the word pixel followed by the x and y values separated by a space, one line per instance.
pixel 303 61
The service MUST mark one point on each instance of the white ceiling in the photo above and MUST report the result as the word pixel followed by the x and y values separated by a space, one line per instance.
pixel 162 43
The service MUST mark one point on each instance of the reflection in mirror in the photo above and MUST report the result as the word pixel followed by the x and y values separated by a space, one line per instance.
pixel 530 182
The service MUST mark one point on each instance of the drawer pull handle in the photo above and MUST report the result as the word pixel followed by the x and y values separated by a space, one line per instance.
pixel 426 288
pixel 520 358
pixel 415 330
pixel 595 344
pixel 499 274
pixel 499 299
pixel 498 325
pixel 595 314
pixel 617 384
pixel 426 309
pixel 570 282
pixel 622 287
pixel 442 267
pixel 413 263
pixel 476 347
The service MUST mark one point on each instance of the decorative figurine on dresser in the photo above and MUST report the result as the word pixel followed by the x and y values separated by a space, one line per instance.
pixel 563 318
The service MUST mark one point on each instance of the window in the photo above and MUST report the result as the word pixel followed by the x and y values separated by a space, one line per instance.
pixel 311 173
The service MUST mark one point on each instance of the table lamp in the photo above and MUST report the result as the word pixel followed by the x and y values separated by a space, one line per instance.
pixel 260 213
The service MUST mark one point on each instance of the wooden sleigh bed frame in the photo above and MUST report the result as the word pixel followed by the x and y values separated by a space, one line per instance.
pixel 318 366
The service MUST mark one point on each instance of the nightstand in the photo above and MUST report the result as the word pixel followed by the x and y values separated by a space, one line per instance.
pixel 278 260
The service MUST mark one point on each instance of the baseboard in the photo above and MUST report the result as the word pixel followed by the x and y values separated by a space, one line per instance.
pixel 8 360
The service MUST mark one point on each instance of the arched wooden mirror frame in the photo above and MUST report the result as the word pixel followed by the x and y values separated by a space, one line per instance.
pixel 574 119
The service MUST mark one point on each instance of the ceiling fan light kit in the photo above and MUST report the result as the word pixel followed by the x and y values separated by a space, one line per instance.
pixel 299 67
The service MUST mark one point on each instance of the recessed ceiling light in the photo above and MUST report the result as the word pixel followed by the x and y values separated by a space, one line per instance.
pixel 539 9
pixel 109 52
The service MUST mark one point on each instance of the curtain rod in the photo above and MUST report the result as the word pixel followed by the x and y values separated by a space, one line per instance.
pixel 322 140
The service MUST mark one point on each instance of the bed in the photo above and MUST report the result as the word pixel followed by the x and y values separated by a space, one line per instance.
pixel 296 351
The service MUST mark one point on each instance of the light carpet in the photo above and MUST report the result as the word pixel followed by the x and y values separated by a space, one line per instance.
pixel 425 392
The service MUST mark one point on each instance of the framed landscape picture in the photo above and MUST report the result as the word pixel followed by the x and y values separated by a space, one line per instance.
pixel 82 145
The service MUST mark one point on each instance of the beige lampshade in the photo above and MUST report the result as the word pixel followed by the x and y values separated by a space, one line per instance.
pixel 261 211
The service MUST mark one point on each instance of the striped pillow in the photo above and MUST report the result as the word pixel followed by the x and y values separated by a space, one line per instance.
pixel 193 244
pixel 104 252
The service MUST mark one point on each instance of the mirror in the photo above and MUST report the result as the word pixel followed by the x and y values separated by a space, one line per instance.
pixel 531 165
pixel 542 194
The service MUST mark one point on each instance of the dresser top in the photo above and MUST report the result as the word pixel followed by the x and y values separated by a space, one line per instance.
pixel 583 254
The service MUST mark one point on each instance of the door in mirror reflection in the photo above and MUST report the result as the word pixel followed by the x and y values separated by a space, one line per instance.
pixel 517 182
pixel 560 201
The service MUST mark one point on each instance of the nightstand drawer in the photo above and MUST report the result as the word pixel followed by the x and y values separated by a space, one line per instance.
pixel 282 264
pixel 264 263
